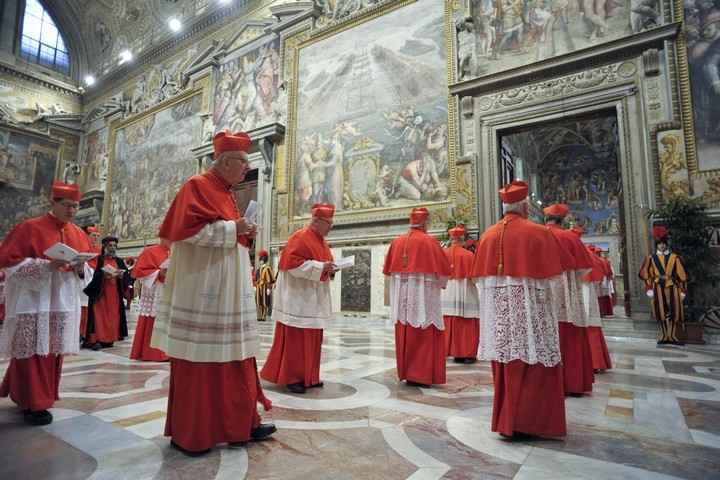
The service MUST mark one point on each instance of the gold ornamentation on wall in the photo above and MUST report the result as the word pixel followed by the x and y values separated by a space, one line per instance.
pixel 712 194
pixel 672 161
pixel 589 80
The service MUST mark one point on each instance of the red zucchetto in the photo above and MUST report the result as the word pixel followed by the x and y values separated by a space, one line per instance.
pixel 229 142
pixel 65 190
pixel 419 215
pixel 325 211
pixel 457 232
pixel 514 192
pixel 559 210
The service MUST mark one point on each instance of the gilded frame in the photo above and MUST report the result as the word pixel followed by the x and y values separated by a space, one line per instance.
pixel 293 47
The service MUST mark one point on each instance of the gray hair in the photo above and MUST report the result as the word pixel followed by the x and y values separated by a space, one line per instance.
pixel 554 219
pixel 515 207
pixel 219 158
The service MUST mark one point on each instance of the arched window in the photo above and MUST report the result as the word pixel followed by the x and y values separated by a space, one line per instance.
pixel 41 41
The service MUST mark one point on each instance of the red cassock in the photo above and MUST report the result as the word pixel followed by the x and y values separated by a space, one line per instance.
pixel 578 374
pixel 528 398
pixel 462 334
pixel 147 263
pixel 420 352
pixel 295 353
pixel 33 382
pixel 598 348
pixel 208 402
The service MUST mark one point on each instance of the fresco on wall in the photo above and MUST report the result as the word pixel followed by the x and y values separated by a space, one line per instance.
pixel 27 169
pixel 247 89
pixel 503 34
pixel 94 167
pixel 152 160
pixel 578 166
pixel 371 128
pixel 702 35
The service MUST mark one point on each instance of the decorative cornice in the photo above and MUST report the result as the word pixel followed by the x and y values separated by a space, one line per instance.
pixel 47 82
pixel 157 50
pixel 289 15
pixel 579 60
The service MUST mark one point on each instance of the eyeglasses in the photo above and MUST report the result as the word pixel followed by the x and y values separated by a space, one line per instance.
pixel 326 221
pixel 69 206
pixel 243 160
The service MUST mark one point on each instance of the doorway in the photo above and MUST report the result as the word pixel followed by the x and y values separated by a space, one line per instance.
pixel 576 161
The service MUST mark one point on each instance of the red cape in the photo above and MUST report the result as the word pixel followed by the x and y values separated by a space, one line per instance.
pixel 202 200
pixel 29 239
pixel 461 261
pixel 529 250
pixel 424 255
pixel 149 261
pixel 305 244
pixel 598 272
pixel 574 245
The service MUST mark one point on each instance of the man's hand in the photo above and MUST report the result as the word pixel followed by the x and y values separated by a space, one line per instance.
pixel 650 294
pixel 58 265
pixel 330 268
pixel 244 226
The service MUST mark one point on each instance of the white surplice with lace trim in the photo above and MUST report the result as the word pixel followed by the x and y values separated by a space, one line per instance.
pixel 415 299
pixel 42 310
pixel 569 305
pixel 517 320
pixel 150 294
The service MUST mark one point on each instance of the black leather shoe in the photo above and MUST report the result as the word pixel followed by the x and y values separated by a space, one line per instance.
pixel 678 343
pixel 263 430
pixel 188 452
pixel 296 387
pixel 410 383
pixel 317 385
pixel 97 346
pixel 663 342
pixel 43 417
pixel 459 359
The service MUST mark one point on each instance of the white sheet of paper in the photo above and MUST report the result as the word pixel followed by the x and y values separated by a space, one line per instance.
pixel 165 264
pixel 60 251
pixel 83 257
pixel 253 209
pixel 345 262
pixel 111 270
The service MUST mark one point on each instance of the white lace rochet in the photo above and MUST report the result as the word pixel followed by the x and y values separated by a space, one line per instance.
pixel 517 321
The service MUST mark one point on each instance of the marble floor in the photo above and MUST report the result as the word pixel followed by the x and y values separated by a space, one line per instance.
pixel 655 415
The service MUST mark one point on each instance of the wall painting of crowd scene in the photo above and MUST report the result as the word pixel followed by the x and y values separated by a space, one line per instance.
pixel 499 35
pixel 371 114
pixel 247 89
pixel 152 160
pixel 27 169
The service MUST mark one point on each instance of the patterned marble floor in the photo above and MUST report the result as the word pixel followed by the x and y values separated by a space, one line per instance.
pixel 656 415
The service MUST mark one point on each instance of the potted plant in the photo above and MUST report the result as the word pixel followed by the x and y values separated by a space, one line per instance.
pixel 690 232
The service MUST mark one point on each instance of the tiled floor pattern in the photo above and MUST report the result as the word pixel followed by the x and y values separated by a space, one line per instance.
pixel 655 415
